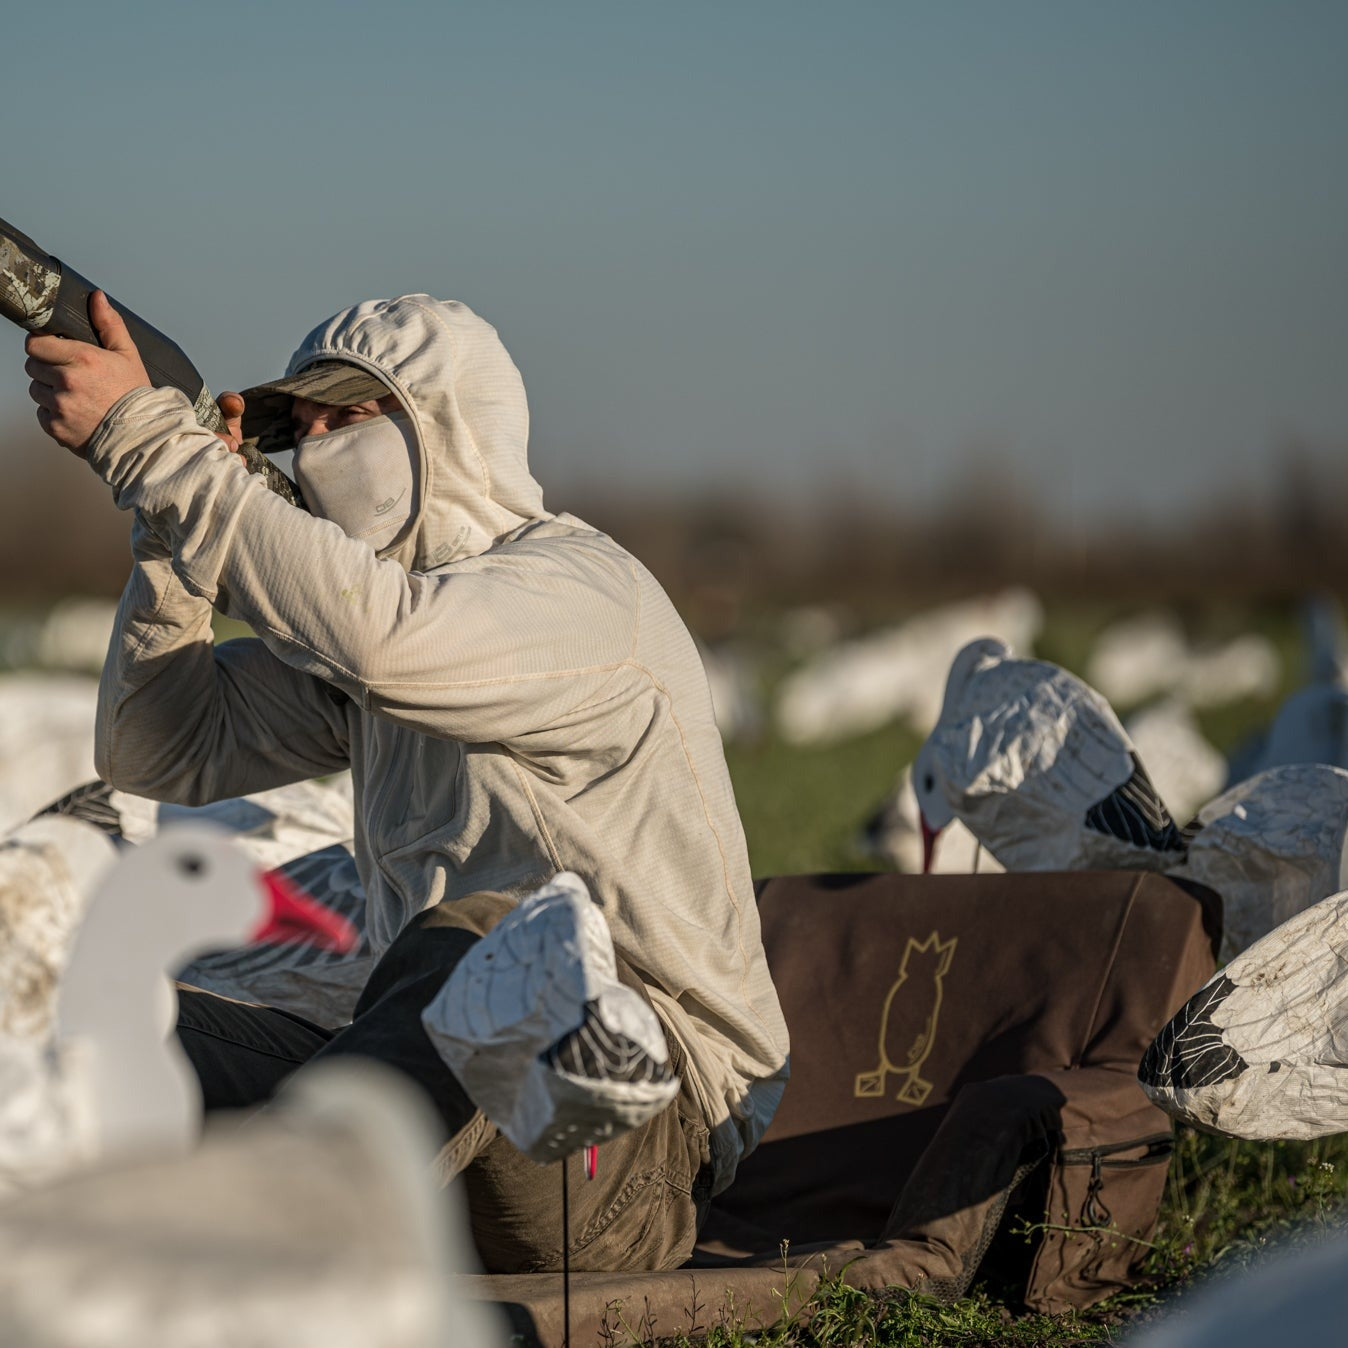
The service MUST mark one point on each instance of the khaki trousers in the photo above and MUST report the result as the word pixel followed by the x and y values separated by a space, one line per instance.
pixel 642 1210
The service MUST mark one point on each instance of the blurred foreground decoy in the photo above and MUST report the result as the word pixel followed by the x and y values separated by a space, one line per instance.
pixel 306 830
pixel 314 1224
pixel 1294 1293
pixel 104 1075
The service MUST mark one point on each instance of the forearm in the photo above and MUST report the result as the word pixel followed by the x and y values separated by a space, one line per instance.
pixel 182 720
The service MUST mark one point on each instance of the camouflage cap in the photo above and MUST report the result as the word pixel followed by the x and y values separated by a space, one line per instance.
pixel 266 415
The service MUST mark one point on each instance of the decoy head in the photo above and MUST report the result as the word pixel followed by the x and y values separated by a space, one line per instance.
pixel 290 915
pixel 193 888
pixel 933 810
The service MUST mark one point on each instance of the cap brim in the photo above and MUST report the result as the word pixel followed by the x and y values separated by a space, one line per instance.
pixel 266 415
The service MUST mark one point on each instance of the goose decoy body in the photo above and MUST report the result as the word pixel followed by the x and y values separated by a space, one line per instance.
pixel 1261 1050
pixel 1271 846
pixel 1039 768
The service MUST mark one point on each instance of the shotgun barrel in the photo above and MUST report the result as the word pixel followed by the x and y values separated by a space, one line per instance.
pixel 41 294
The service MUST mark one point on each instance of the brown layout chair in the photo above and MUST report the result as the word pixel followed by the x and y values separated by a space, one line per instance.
pixel 960 1045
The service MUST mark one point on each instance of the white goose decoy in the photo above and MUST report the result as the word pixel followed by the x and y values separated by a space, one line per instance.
pixel 1185 768
pixel 1261 1051
pixel 48 869
pixel 893 834
pixel 316 1224
pixel 306 829
pixel 1271 847
pixel 319 983
pixel 1039 768
pixel 1149 655
pixel 109 1078
pixel 1138 658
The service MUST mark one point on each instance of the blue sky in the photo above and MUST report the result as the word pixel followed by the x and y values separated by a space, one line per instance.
pixel 773 245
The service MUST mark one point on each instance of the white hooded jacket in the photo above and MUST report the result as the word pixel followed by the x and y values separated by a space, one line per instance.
pixel 513 691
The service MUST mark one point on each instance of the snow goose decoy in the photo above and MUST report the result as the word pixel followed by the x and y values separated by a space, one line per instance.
pixel 1185 768
pixel 1271 847
pixel 274 826
pixel 110 1078
pixel 1149 655
pixel 860 685
pixel 894 835
pixel 316 1224
pixel 1261 1051
pixel 1039 768
pixel 305 830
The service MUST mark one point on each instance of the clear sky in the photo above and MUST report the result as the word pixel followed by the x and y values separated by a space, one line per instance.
pixel 776 243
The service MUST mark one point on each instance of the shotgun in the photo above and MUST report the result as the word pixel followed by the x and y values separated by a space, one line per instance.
pixel 43 295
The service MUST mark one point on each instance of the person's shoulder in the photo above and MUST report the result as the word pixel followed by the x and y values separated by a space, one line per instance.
pixel 561 528
pixel 560 537
pixel 561 554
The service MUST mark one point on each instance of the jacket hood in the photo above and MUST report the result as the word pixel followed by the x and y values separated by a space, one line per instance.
pixel 466 402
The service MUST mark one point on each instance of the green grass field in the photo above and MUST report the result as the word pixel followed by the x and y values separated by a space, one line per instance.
pixel 1227 1204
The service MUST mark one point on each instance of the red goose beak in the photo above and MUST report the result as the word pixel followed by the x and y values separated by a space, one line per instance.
pixel 293 916
pixel 929 836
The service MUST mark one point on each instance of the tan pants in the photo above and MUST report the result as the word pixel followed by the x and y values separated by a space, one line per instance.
pixel 652 1187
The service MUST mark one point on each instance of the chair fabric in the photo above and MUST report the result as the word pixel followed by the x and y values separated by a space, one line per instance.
pixel 961 1046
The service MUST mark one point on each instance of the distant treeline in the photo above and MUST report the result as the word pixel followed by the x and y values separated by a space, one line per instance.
pixel 718 554
pixel 721 553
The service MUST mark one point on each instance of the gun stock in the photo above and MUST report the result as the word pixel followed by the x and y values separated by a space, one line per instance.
pixel 42 294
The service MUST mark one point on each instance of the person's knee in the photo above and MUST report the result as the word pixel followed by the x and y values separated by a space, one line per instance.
pixel 476 913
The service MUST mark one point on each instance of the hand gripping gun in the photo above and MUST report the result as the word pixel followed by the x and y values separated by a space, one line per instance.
pixel 43 295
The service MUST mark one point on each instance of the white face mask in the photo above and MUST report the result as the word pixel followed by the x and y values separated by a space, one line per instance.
pixel 361 477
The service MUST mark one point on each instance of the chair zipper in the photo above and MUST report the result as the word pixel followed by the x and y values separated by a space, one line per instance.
pixel 1094 1214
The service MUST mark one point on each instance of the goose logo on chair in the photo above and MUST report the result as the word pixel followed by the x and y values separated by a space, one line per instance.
pixel 920 987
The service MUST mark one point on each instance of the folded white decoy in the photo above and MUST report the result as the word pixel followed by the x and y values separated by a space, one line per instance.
pixel 1261 1051
pixel 541 1034
pixel 1271 847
